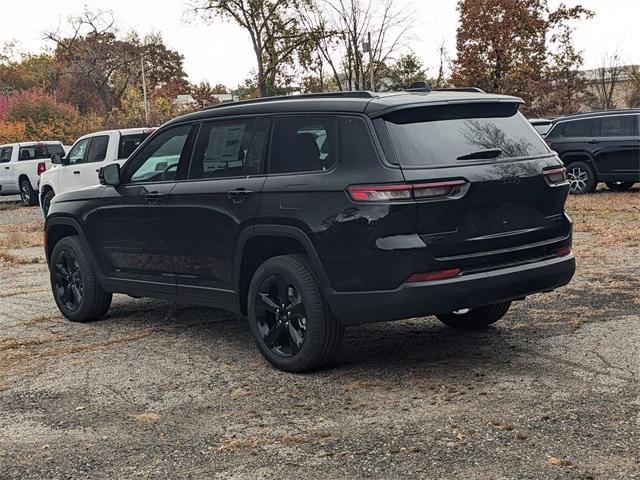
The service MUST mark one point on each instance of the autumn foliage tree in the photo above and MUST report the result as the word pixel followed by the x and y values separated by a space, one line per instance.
pixel 504 46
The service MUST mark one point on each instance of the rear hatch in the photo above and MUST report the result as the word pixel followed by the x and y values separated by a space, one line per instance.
pixel 504 190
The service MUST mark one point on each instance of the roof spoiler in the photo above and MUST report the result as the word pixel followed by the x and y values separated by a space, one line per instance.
pixel 420 86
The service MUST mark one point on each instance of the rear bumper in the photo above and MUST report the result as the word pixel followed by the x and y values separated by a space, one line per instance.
pixel 428 298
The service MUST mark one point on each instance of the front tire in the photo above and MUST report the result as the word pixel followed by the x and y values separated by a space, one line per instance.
pixel 46 201
pixel 74 282
pixel 28 196
pixel 475 318
pixel 292 326
pixel 620 186
pixel 582 178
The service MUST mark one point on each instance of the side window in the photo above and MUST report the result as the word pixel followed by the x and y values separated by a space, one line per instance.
pixel 577 128
pixel 617 126
pixel 98 149
pixel 5 154
pixel 355 141
pixel 555 131
pixel 223 150
pixel 158 160
pixel 303 144
pixel 76 155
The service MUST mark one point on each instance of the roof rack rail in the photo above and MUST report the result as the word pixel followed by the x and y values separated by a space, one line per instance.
pixel 348 94
pixel 460 89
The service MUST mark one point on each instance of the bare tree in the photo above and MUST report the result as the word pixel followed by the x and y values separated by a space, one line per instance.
pixel 633 74
pixel 607 78
pixel 273 27
pixel 348 23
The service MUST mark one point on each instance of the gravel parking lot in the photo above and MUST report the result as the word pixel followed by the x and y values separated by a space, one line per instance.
pixel 159 390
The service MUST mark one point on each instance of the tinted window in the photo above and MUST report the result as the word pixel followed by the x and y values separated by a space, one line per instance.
pixel 98 149
pixel 76 155
pixel 440 135
pixel 38 152
pixel 158 160
pixel 622 126
pixel 128 144
pixel 222 150
pixel 5 154
pixel 577 128
pixel 303 144
pixel 355 141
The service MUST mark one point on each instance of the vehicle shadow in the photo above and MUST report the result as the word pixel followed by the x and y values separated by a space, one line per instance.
pixel 391 347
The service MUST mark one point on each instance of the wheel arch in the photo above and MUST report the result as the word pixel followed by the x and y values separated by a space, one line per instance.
pixel 580 156
pixel 57 228
pixel 261 242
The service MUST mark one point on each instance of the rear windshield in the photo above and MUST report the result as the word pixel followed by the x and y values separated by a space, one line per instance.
pixel 128 143
pixel 42 151
pixel 450 134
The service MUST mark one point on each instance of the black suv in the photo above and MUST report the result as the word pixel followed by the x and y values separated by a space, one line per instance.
pixel 308 214
pixel 598 147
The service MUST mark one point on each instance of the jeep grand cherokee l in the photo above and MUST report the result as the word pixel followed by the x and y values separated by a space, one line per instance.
pixel 312 213
pixel 598 147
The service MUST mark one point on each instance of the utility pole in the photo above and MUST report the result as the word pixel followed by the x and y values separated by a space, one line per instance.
pixel 373 86
pixel 144 92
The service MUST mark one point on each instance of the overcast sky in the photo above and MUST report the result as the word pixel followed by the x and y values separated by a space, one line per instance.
pixel 221 53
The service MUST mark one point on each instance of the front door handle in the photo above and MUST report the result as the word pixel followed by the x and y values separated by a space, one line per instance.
pixel 77 172
pixel 6 168
pixel 239 195
pixel 594 141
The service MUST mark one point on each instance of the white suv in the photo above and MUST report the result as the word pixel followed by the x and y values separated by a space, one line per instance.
pixel 79 168
pixel 20 166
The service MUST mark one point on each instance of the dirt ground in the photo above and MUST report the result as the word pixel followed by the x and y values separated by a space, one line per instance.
pixel 159 390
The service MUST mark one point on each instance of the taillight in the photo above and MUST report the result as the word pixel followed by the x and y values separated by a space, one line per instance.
pixel 41 168
pixel 403 192
pixel 431 276
pixel 555 175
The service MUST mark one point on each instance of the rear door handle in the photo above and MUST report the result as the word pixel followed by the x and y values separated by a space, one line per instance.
pixel 594 141
pixel 6 168
pixel 153 197
pixel 77 172
pixel 239 195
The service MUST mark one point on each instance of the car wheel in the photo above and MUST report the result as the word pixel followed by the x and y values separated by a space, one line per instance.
pixel 27 194
pixel 46 201
pixel 74 282
pixel 620 186
pixel 292 326
pixel 582 178
pixel 475 318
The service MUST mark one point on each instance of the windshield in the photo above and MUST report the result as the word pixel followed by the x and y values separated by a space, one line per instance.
pixel 452 134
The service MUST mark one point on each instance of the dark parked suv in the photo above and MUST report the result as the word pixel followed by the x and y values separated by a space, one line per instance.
pixel 598 147
pixel 312 213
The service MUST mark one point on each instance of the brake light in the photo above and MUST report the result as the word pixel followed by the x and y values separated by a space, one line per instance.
pixel 403 192
pixel 431 276
pixel 41 168
pixel 563 252
pixel 555 175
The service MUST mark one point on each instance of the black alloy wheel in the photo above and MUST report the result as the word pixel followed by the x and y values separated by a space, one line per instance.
pixel 68 286
pixel 280 315
pixel 27 195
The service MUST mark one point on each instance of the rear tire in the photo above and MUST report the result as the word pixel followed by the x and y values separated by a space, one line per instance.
pixel 27 195
pixel 475 318
pixel 292 326
pixel 46 201
pixel 582 178
pixel 620 186
pixel 74 282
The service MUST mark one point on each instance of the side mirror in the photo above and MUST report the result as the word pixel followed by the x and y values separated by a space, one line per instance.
pixel 110 175
pixel 56 159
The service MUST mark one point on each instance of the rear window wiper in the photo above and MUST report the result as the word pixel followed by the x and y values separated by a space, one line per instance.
pixel 481 154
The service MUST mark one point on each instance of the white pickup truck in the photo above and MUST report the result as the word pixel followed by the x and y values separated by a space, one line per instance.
pixel 79 168
pixel 21 165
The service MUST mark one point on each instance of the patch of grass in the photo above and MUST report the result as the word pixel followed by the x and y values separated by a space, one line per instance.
pixel 11 259
pixel 4 206
pixel 17 240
